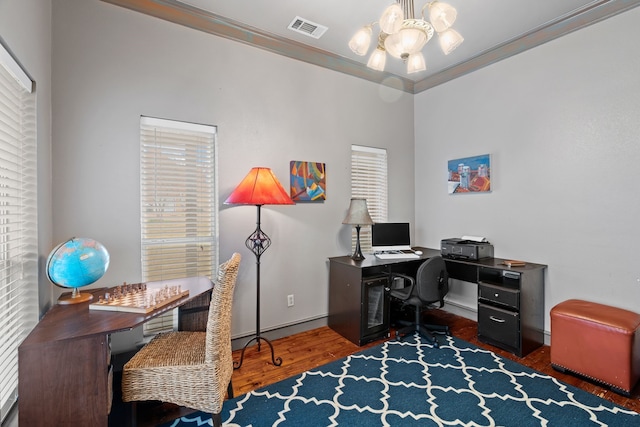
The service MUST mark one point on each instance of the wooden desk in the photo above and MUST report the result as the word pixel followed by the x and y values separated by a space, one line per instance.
pixel 65 373
pixel 510 300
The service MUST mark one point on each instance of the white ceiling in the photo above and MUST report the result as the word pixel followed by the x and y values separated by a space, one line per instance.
pixel 492 29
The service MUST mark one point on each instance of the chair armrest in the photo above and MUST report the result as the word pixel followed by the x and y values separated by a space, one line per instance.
pixel 402 294
pixel 402 276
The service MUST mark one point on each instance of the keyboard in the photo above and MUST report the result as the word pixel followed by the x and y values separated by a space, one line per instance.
pixel 397 255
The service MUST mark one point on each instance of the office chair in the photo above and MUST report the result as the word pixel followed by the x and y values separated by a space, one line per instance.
pixel 191 369
pixel 430 286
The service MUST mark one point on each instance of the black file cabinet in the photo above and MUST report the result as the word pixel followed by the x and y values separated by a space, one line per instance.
pixel 510 302
pixel 511 308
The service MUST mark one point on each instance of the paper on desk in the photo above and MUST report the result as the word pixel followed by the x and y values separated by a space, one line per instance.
pixel 475 239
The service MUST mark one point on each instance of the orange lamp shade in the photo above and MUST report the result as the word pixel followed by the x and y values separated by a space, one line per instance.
pixel 259 187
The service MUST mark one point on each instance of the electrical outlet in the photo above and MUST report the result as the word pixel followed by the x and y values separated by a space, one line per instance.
pixel 290 300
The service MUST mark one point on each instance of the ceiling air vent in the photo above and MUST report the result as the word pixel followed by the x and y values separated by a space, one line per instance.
pixel 306 27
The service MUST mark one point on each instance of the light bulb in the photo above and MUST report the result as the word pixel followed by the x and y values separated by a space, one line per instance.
pixel 391 19
pixel 449 40
pixel 415 63
pixel 361 40
pixel 377 60
pixel 405 42
pixel 441 15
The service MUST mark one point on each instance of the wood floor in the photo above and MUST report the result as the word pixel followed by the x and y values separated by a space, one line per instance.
pixel 317 347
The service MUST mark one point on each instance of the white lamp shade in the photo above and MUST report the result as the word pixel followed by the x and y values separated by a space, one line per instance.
pixel 449 40
pixel 360 41
pixel 391 19
pixel 377 60
pixel 405 42
pixel 415 63
pixel 358 213
pixel 442 16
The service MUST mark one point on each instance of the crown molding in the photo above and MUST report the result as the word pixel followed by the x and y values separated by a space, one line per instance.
pixel 198 19
pixel 569 23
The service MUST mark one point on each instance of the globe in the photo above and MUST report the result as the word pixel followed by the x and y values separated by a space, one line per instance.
pixel 78 262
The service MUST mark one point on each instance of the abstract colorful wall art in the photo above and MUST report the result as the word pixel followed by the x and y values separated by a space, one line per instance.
pixel 308 181
pixel 470 175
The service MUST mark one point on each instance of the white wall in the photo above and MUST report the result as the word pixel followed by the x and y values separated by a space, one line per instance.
pixel 25 30
pixel 562 124
pixel 112 65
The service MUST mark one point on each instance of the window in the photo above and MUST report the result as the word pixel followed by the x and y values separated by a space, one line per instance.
pixel 18 222
pixel 178 203
pixel 369 181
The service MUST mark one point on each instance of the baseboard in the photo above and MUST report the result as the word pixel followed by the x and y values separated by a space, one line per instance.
pixel 461 310
pixel 281 331
pixel 317 322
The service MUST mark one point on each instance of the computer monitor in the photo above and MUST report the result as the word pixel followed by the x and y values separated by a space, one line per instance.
pixel 390 236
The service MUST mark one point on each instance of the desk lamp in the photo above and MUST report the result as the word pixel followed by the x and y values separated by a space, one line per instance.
pixel 259 187
pixel 358 215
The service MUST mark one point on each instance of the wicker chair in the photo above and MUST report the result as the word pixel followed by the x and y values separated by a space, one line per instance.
pixel 191 369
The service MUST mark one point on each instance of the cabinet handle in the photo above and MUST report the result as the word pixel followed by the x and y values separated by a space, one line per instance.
pixel 495 319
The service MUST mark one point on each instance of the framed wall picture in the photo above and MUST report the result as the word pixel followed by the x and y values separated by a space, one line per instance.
pixel 308 181
pixel 469 175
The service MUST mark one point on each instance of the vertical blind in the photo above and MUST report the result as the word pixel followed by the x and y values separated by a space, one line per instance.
pixel 178 200
pixel 18 222
pixel 369 181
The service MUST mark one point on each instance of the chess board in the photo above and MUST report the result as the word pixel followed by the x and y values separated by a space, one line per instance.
pixel 137 298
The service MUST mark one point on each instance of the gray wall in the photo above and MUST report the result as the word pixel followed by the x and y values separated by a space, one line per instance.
pixel 562 124
pixel 25 30
pixel 112 65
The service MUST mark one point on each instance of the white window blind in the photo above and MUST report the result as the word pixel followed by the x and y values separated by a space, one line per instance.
pixel 18 222
pixel 369 181
pixel 178 199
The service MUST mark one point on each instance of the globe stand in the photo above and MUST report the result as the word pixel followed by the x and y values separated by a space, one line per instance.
pixel 75 297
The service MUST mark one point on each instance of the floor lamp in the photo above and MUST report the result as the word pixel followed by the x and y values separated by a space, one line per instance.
pixel 259 187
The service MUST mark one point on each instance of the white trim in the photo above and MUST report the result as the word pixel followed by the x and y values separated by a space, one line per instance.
pixel 355 147
pixel 15 69
pixel 195 127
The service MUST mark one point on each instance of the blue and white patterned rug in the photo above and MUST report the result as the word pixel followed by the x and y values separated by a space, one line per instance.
pixel 410 383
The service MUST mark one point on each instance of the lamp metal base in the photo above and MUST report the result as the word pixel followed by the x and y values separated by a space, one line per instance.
pixel 277 361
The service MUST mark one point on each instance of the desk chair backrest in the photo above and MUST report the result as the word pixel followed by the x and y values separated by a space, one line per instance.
pixel 432 281
pixel 218 340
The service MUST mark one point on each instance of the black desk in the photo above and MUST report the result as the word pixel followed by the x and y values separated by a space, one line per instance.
pixel 510 300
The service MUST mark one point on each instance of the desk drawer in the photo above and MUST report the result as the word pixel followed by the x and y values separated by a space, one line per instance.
pixel 501 295
pixel 501 326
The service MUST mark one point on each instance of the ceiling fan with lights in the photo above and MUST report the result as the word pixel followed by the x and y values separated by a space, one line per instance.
pixel 403 36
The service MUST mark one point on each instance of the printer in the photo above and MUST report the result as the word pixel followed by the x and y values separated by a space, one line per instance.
pixel 463 248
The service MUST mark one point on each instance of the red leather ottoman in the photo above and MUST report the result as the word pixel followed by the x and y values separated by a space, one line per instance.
pixel 598 341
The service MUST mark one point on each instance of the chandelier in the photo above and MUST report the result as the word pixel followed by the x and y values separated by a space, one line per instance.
pixel 403 36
